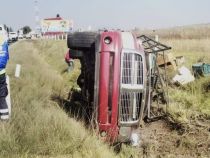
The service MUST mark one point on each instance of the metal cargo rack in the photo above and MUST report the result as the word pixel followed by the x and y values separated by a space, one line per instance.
pixel 157 78
pixel 152 46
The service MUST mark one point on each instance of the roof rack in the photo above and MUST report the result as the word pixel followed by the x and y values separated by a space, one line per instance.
pixel 152 46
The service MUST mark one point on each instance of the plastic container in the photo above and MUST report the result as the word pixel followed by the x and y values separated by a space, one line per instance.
pixel 201 69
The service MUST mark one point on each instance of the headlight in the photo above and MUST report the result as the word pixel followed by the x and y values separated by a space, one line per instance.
pixel 107 40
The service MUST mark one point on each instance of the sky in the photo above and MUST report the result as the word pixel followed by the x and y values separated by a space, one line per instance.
pixel 118 14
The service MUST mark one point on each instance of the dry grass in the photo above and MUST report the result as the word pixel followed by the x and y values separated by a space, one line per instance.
pixel 39 127
pixel 192 100
pixel 201 31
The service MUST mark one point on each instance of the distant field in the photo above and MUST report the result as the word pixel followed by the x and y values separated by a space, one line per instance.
pixel 201 31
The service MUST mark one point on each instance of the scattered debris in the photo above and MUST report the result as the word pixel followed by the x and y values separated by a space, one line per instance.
pixel 17 70
pixel 201 69
pixel 180 60
pixel 167 60
pixel 135 139
pixel 184 76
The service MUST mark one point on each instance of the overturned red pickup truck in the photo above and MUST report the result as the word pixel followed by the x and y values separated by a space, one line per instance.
pixel 118 79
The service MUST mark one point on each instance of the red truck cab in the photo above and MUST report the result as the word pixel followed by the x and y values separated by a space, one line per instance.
pixel 117 80
pixel 120 73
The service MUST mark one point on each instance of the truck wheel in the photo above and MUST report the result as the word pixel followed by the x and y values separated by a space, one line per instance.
pixel 75 54
pixel 81 40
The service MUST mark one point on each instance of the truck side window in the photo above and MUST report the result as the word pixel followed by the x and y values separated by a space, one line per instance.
pixel 0 28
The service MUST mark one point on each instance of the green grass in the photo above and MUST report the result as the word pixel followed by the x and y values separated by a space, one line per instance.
pixel 191 101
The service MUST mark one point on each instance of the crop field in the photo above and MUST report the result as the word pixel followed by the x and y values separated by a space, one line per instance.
pixel 42 126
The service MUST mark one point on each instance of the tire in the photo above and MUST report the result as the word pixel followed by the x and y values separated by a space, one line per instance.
pixel 81 40
pixel 75 54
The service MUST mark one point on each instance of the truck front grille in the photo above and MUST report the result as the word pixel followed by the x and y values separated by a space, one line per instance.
pixel 130 106
pixel 131 94
pixel 132 70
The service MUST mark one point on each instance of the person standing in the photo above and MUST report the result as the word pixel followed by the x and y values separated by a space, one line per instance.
pixel 69 61
pixel 4 57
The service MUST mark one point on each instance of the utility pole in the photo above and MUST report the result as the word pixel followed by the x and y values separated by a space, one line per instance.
pixel 37 20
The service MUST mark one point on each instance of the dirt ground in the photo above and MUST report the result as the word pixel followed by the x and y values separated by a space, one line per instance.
pixel 165 139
